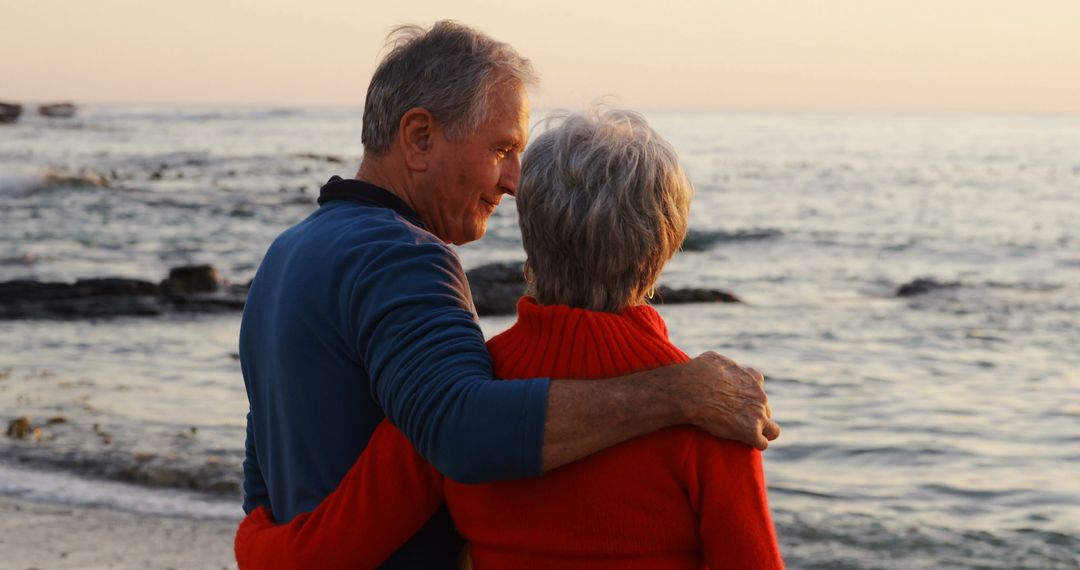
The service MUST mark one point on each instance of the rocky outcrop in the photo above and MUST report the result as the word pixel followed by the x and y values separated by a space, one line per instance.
pixel 188 289
pixel 320 157
pixel 57 110
pixel 698 240
pixel 9 112
pixel 922 286
pixel 496 288
pixel 192 279
pixel 667 295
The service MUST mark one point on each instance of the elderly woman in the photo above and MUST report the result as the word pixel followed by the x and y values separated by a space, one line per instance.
pixel 603 205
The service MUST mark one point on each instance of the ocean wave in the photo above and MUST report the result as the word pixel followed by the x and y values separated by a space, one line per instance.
pixel 31 184
pixel 909 454
pixel 813 540
pixel 1031 286
pixel 23 259
pixel 978 494
pixel 92 453
pixel 67 489
pixel 19 184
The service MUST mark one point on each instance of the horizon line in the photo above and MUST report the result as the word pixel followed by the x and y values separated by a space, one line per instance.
pixel 546 109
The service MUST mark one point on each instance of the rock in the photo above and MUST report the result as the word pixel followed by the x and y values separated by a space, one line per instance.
pixel 19 428
pixel 497 287
pixel 28 290
pixel 188 289
pixel 68 180
pixel 9 112
pixel 115 287
pixel 923 285
pixel 668 296
pixel 204 303
pixel 704 240
pixel 57 110
pixel 34 291
pixel 321 157
pixel 242 211
pixel 192 279
pixel 87 308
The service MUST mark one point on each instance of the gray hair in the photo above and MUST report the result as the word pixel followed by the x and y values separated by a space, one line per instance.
pixel 603 204
pixel 451 70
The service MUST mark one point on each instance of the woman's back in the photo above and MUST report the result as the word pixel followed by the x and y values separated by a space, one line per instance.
pixel 674 499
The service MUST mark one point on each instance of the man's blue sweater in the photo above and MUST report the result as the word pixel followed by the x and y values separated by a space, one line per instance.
pixel 358 313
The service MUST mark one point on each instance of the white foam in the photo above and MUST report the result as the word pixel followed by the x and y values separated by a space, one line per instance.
pixel 67 489
pixel 19 184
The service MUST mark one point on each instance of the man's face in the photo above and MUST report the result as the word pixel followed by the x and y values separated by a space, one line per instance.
pixel 470 176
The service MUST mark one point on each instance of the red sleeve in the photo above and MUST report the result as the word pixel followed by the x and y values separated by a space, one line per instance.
pixel 384 499
pixel 727 489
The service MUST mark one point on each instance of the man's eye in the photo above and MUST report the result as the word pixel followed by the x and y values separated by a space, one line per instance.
pixel 502 152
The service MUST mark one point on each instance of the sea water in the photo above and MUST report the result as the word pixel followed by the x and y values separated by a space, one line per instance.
pixel 936 431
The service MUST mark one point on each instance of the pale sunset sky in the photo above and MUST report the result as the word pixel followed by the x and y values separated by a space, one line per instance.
pixel 746 55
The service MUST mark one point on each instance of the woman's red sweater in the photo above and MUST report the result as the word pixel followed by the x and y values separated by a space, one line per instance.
pixel 677 498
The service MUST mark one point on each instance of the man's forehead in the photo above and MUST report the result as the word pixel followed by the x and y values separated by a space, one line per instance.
pixel 511 111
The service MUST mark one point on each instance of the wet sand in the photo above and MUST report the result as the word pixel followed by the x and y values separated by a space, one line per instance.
pixel 46 537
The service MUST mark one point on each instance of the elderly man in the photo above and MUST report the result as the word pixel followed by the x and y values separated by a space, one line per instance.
pixel 362 311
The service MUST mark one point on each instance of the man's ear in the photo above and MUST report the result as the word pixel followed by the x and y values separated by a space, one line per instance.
pixel 415 135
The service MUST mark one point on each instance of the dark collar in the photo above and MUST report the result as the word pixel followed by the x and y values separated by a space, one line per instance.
pixel 339 189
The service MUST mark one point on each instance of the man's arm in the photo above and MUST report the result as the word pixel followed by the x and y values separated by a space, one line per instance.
pixel 711 392
pixel 431 373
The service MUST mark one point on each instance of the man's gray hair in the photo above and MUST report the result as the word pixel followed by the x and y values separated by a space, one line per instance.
pixel 603 204
pixel 451 70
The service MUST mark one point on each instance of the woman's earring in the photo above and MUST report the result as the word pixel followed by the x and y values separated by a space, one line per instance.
pixel 651 294
pixel 525 272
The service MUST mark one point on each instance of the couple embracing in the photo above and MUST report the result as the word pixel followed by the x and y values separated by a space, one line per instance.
pixel 383 432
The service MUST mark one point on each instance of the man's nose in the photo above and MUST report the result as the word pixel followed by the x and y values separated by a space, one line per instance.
pixel 511 174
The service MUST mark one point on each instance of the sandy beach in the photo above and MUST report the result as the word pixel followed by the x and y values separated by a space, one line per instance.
pixel 47 537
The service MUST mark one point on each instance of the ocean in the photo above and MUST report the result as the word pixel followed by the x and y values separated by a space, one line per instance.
pixel 934 431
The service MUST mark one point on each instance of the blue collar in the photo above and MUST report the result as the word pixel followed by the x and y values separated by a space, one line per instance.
pixel 339 189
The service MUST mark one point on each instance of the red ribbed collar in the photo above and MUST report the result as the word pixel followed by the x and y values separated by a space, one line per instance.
pixel 565 342
pixel 638 318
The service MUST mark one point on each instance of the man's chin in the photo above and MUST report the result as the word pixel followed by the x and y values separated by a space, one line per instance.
pixel 475 236
pixel 466 237
pixel 476 232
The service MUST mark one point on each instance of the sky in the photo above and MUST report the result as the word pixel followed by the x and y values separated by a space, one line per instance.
pixel 746 55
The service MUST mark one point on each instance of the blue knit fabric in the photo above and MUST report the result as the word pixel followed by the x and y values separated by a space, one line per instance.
pixel 357 314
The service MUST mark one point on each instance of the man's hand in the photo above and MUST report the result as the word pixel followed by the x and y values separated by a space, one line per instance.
pixel 728 400
pixel 711 392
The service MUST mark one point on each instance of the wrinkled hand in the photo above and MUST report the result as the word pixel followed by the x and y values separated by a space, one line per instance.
pixel 729 401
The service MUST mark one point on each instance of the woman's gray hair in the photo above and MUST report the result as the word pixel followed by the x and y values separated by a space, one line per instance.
pixel 451 70
pixel 603 204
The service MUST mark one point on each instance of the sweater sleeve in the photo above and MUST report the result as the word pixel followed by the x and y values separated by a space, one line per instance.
pixel 384 499
pixel 727 489
pixel 431 373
